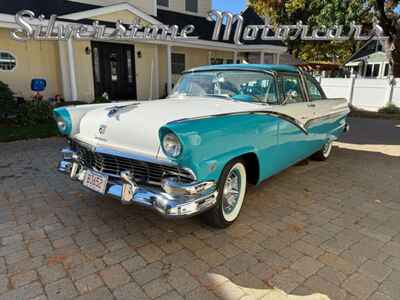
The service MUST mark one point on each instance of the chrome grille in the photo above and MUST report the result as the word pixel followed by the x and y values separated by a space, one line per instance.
pixel 144 172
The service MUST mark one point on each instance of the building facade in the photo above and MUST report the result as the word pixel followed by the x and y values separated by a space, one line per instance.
pixel 84 70
pixel 370 61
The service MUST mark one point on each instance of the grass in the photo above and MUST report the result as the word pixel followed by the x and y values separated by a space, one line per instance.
pixel 10 132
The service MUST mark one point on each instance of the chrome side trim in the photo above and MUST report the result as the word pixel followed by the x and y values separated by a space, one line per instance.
pixel 325 117
pixel 273 73
pixel 256 112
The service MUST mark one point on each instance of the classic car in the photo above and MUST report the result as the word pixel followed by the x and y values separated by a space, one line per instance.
pixel 222 128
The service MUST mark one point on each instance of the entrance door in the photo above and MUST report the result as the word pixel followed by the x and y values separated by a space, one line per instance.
pixel 114 70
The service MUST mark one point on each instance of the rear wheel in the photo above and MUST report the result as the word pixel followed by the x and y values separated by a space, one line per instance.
pixel 231 193
pixel 324 153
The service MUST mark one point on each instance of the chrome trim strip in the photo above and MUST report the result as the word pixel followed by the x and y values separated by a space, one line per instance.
pixel 273 73
pixel 325 117
pixel 259 112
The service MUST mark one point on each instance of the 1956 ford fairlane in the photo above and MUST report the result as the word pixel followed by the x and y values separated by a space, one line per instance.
pixel 222 128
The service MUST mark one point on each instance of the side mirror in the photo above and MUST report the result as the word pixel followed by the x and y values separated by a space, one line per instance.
pixel 290 96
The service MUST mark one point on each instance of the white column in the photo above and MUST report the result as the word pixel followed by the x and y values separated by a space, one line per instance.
pixel 65 78
pixel 72 74
pixel 262 59
pixel 235 56
pixel 278 56
pixel 169 69
pixel 209 57
pixel 156 73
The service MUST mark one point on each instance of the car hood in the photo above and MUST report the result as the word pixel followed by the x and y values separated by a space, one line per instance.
pixel 133 127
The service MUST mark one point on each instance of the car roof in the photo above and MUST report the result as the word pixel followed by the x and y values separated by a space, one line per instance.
pixel 261 67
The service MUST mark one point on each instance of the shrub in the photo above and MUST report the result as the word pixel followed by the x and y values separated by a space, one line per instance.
pixel 33 113
pixel 70 103
pixel 8 105
pixel 99 100
pixel 390 109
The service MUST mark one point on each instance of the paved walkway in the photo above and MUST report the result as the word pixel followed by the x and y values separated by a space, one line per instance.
pixel 330 228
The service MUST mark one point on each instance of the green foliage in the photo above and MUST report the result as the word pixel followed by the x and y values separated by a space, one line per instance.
pixel 7 102
pixel 317 13
pixel 11 132
pixel 101 100
pixel 34 113
pixel 70 103
pixel 390 109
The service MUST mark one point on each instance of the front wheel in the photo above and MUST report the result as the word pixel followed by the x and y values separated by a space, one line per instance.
pixel 231 193
pixel 324 153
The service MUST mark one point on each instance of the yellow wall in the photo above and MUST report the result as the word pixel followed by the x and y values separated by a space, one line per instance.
pixel 84 72
pixel 34 60
pixel 144 82
pixel 193 58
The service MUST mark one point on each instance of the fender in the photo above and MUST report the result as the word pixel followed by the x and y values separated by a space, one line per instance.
pixel 209 143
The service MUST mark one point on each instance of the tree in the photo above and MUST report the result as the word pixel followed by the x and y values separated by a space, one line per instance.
pixel 389 19
pixel 328 13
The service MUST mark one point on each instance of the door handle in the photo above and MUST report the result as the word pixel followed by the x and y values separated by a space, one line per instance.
pixel 311 105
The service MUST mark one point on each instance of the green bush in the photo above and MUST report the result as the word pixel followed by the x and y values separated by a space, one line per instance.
pixel 99 100
pixel 8 105
pixel 70 103
pixel 390 109
pixel 34 113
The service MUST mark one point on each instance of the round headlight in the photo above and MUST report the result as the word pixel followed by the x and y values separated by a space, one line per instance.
pixel 171 145
pixel 62 125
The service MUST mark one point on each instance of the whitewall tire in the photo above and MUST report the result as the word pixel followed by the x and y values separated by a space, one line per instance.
pixel 231 194
pixel 324 153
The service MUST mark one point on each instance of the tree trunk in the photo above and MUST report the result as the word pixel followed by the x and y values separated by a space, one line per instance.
pixel 396 59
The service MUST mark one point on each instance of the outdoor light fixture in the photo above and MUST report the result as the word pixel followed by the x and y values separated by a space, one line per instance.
pixel 139 54
pixel 88 51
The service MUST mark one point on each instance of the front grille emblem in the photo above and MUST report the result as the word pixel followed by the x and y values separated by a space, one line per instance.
pixel 102 129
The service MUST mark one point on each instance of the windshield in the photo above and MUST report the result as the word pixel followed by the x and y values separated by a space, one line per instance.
pixel 248 86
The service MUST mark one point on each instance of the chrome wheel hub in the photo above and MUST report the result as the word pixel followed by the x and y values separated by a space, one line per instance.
pixel 326 150
pixel 231 191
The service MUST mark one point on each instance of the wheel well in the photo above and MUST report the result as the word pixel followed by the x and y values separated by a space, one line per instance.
pixel 252 167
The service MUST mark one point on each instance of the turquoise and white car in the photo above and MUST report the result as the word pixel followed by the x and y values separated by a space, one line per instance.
pixel 224 127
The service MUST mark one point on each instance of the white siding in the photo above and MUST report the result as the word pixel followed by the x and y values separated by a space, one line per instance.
pixel 367 94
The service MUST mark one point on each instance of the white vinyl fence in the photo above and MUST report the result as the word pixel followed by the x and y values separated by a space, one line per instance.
pixel 368 94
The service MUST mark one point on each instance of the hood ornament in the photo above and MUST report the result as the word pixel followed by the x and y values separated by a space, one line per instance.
pixel 116 110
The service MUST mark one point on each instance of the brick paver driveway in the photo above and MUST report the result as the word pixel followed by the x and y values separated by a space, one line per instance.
pixel 332 228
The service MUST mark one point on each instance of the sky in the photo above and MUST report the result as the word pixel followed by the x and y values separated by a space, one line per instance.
pixel 234 6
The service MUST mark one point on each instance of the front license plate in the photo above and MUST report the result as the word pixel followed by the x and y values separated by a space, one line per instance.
pixel 95 181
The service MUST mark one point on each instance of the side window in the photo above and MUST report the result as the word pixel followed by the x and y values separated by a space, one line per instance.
pixel 8 61
pixel 291 88
pixel 178 63
pixel 163 3
pixel 192 6
pixel 313 89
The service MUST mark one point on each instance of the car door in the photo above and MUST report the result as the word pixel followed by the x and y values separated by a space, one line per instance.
pixel 294 143
pixel 328 115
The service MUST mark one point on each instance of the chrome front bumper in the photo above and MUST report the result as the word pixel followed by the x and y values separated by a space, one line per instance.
pixel 171 200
